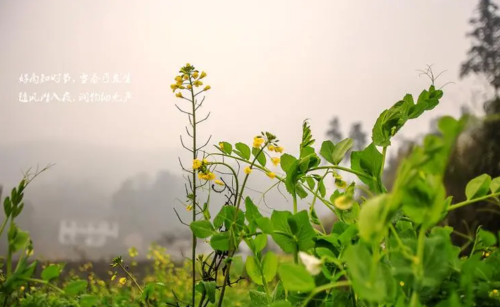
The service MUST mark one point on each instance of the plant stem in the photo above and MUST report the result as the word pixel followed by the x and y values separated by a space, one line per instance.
pixel 359 174
pixel 3 225
pixel 131 277
pixel 195 154
pixel 41 281
pixel 471 201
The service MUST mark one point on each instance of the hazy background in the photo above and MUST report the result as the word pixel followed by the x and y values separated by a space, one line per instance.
pixel 271 64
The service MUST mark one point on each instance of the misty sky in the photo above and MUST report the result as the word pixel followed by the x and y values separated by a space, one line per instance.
pixel 271 64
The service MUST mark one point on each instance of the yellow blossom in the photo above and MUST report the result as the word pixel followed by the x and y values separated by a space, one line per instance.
pixel 203 75
pixel 275 161
pixel 178 83
pixel 401 283
pixel 178 95
pixel 271 147
pixel 495 291
pixel 210 176
pixel 202 176
pixel 189 86
pixel 123 280
pixel 113 277
pixel 217 181
pixel 343 202
pixel 197 83
pixel 178 79
pixel 174 87
pixel 189 208
pixel 195 74
pixel 271 175
pixel 340 184
pixel 185 77
pixel 221 145
pixel 132 252
pixel 279 149
pixel 247 170
pixel 257 141
pixel 22 288
pixel 196 164
pixel 205 161
pixel 207 88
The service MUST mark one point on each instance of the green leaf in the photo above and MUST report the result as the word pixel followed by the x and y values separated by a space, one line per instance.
pixel 487 238
pixel 326 151
pixel 369 162
pixel 372 221
pixel 242 150
pixel 296 278
pixel 286 161
pixel 51 272
pixel 207 287
pixel 478 187
pixel 7 206
pixel 260 242
pixel 258 299
pixel 265 224
pixel 228 148
pixel 220 241
pixel 340 150
pixel 252 211
pixel 17 238
pixel 281 304
pixel 269 266
pixel 289 239
pixel 495 185
pixel 202 229
pixel 261 158
pixel 75 287
pixel 253 270
pixel 87 300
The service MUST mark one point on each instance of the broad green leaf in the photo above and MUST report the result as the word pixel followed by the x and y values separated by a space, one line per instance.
pixel 282 234
pixel 369 162
pixel 202 229
pixel 340 150
pixel 242 150
pixel 269 266
pixel 286 161
pixel 220 241
pixel 227 148
pixel 495 185
pixel 87 300
pixel 260 242
pixel 281 304
pixel 51 272
pixel 487 238
pixel 258 299
pixel 326 151
pixel 75 287
pixel 265 224
pixel 478 187
pixel 252 212
pixel 17 238
pixel 373 219
pixel 207 287
pixel 295 277
pixel 253 270
pixel 261 158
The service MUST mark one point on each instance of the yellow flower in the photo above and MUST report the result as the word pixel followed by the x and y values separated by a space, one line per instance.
pixel 178 95
pixel 113 277
pixel 221 145
pixel 202 176
pixel 402 284
pixel 185 77
pixel 203 75
pixel 210 176
pixel 123 280
pixel 343 202
pixel 197 83
pixel 189 86
pixel 340 184
pixel 207 88
pixel 279 149
pixel 195 74
pixel 217 181
pixel 205 161
pixel 257 141
pixel 189 208
pixel 275 161
pixel 132 252
pixel 178 83
pixel 271 175
pixel 495 291
pixel 178 79
pixel 22 288
pixel 196 164
pixel 247 170
pixel 174 87
pixel 271 147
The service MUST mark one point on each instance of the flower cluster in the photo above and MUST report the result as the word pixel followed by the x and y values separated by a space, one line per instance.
pixel 203 171
pixel 188 78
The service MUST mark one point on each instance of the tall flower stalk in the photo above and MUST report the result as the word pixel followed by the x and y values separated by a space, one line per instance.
pixel 188 80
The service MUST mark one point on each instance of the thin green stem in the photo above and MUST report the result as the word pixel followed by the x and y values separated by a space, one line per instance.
pixel 193 251
pixel 471 201
pixel 359 174
pixel 3 225
pixel 44 282
pixel 131 277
